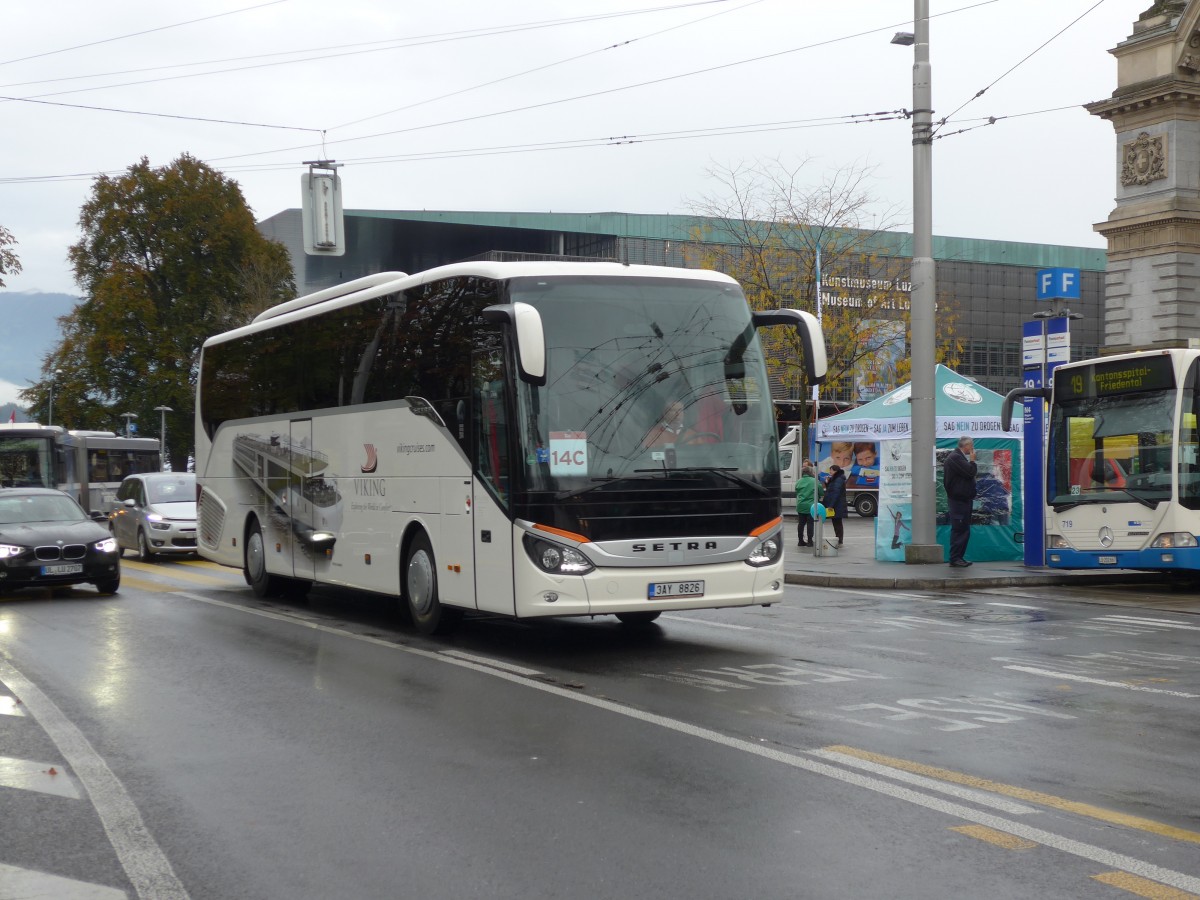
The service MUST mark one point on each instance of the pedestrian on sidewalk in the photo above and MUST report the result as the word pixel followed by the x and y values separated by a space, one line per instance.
pixel 958 474
pixel 808 492
pixel 835 500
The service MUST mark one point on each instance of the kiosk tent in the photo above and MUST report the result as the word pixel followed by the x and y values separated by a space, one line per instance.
pixel 961 407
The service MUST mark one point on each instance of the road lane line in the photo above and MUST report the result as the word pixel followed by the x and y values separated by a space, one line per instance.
pixel 1080 809
pixel 27 775
pixel 706 622
pixel 1100 681
pixel 983 798
pixel 1139 620
pixel 1015 605
pixel 1142 887
pixel 144 584
pixel 146 866
pixel 495 663
pixel 999 838
pixel 175 572
pixel 26 884
pixel 794 760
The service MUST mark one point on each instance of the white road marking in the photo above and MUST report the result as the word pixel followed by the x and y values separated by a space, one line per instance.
pixel 1139 620
pixel 1014 605
pixel 142 859
pixel 1059 842
pixel 1117 684
pixel 28 775
pixel 26 884
pixel 983 798
pixel 711 624
pixel 866 592
pixel 494 663
pixel 10 707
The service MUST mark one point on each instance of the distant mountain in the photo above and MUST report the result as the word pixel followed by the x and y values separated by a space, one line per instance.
pixel 28 330
pixel 6 413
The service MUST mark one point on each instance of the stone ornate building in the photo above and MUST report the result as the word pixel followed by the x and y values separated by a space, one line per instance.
pixel 1152 286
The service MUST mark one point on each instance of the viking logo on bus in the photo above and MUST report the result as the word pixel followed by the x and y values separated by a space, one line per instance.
pixel 372 462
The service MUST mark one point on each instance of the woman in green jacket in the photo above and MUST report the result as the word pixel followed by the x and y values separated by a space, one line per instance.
pixel 808 492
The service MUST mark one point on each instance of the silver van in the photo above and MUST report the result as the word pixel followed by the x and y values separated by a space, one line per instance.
pixel 155 513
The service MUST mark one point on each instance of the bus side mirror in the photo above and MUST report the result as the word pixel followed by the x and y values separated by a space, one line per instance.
pixel 525 324
pixel 811 337
pixel 1006 408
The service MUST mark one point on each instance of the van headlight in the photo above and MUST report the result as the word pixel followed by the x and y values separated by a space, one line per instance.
pixel 766 552
pixel 556 559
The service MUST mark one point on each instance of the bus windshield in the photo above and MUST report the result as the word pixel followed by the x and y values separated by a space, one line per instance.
pixel 647 380
pixel 26 460
pixel 1111 448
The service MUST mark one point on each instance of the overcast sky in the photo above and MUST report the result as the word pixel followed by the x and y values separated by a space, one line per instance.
pixel 474 104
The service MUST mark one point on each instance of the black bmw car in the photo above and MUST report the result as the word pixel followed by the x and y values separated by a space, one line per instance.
pixel 47 540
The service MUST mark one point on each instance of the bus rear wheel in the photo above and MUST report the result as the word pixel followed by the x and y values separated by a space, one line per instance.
pixel 255 570
pixel 421 590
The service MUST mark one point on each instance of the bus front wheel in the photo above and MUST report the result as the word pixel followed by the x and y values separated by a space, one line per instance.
pixel 262 583
pixel 421 590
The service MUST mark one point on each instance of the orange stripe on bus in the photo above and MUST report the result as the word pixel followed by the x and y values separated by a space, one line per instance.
pixel 763 529
pixel 583 539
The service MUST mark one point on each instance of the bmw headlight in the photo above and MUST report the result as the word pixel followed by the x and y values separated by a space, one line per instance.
pixel 8 551
pixel 766 552
pixel 556 559
pixel 108 545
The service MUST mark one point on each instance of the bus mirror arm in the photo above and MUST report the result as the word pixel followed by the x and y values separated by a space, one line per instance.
pixel 811 338
pixel 525 325
pixel 1012 397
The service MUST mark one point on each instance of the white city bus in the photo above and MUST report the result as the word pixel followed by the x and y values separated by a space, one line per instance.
pixel 478 437
pixel 88 465
pixel 1122 475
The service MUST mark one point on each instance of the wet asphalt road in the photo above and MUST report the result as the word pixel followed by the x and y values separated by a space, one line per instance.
pixel 849 743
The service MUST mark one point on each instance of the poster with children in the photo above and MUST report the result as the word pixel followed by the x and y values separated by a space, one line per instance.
pixel 858 459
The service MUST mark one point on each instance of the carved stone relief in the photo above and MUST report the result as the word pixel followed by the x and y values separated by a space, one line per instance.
pixel 1143 160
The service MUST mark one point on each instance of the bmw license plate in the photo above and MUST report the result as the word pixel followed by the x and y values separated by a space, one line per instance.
pixel 661 589
pixel 1106 560
pixel 63 569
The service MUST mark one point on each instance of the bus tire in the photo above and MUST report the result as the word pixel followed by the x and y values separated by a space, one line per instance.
pixel 255 565
pixel 145 554
pixel 866 505
pixel 421 589
pixel 639 618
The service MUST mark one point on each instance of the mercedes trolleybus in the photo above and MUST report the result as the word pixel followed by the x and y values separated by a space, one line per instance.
pixel 88 465
pixel 1121 470
pixel 522 439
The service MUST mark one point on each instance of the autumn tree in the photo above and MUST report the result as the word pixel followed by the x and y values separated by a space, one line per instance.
pixel 10 264
pixel 168 257
pixel 770 228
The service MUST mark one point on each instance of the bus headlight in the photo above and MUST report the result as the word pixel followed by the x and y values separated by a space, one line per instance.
pixel 768 551
pixel 1172 539
pixel 1057 542
pixel 555 558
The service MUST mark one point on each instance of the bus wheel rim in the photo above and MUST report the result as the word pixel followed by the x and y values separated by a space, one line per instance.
pixel 420 582
pixel 254 555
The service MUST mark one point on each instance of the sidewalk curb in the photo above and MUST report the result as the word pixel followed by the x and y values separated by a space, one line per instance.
pixel 821 579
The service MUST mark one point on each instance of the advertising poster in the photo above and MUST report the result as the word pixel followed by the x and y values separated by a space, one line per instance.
pixel 893 525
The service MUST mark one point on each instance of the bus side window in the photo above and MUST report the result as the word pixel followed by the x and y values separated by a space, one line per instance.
pixel 490 423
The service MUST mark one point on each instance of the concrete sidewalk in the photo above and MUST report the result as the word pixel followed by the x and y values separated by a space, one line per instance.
pixel 855 566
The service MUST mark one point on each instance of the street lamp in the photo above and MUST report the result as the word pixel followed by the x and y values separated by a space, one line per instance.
pixel 162 432
pixel 54 376
pixel 924 547
pixel 127 417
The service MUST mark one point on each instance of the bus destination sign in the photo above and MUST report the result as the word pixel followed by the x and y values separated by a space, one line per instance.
pixel 1109 377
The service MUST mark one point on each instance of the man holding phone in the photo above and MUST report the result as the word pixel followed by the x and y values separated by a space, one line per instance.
pixel 959 471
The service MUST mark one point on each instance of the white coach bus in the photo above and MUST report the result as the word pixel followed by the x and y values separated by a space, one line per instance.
pixel 495 437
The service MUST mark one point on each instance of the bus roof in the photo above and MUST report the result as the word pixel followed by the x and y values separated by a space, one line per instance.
pixel 389 282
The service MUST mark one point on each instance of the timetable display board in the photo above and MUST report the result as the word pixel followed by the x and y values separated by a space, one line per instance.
pixel 1106 378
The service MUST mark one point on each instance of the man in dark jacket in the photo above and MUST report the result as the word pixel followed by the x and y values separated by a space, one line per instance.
pixel 958 474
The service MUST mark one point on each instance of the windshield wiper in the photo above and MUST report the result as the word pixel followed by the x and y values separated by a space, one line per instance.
pixel 1103 497
pixel 567 495
pixel 726 472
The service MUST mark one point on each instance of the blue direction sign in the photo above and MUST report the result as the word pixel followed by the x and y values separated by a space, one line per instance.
pixel 1058 284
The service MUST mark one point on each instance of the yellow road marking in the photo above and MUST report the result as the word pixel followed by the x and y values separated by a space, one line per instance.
pixel 176 572
pixel 992 836
pixel 1143 887
pixel 152 586
pixel 997 787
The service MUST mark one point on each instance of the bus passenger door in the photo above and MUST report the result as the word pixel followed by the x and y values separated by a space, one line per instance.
pixel 305 471
pixel 493 532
